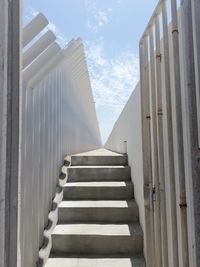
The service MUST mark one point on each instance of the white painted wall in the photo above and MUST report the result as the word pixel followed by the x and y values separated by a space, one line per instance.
pixel 128 128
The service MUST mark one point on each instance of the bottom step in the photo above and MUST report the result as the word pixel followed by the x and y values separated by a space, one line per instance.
pixel 96 262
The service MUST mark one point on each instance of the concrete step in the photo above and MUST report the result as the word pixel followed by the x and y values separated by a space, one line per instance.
pixel 98 173
pixel 99 160
pixel 98 217
pixel 98 211
pixel 98 191
pixel 97 239
pixel 96 261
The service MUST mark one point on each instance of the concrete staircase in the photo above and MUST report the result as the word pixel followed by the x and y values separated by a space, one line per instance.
pixel 98 217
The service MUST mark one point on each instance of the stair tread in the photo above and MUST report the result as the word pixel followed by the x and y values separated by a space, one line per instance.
pixel 97 204
pixel 98 229
pixel 98 219
pixel 99 152
pixel 99 167
pixel 97 261
pixel 98 184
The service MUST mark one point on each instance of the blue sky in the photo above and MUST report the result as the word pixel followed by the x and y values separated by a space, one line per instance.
pixel 111 30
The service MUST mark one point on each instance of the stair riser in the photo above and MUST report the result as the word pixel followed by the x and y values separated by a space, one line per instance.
pixel 98 174
pixel 98 193
pixel 105 215
pixel 98 160
pixel 83 244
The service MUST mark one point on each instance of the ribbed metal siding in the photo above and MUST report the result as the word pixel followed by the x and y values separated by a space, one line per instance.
pixel 58 118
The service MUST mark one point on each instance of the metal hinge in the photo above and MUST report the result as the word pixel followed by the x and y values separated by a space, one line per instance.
pixel 159 56
pixel 183 205
pixel 154 193
pixel 160 112
pixel 175 30
pixel 198 161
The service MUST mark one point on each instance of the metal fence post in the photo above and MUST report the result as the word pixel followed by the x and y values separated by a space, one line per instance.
pixel 194 152
pixel 146 150
pixel 170 135
pixel 179 146
pixel 10 112
pixel 156 183
pixel 161 147
pixel 196 40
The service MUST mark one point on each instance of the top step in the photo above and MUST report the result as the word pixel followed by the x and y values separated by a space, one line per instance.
pixel 100 157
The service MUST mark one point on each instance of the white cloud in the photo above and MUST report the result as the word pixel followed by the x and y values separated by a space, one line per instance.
pixel 113 79
pixel 34 12
pixel 91 26
pixel 30 13
pixel 61 39
pixel 102 17
pixel 96 18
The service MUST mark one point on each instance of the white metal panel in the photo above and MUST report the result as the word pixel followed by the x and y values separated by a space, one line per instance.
pixel 32 29
pixel 37 48
pixel 40 62
pixel 60 118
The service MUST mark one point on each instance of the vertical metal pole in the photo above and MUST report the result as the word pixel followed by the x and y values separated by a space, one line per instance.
pixel 35 168
pixel 194 153
pixel 47 142
pixel 157 223
pixel 179 134
pixel 57 123
pixel 42 147
pixel 161 148
pixel 30 171
pixel 60 117
pixel 26 138
pixel 47 133
pixel 170 136
pixel 59 128
pixel 10 85
pixel 146 152
pixel 196 38
pixel 63 133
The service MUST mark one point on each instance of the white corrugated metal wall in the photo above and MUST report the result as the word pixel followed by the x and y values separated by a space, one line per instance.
pixel 58 119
